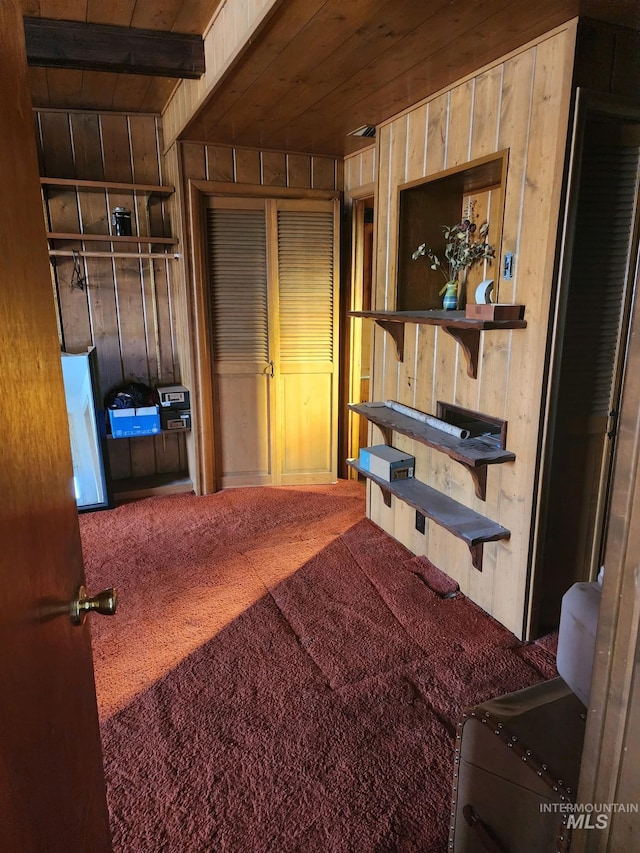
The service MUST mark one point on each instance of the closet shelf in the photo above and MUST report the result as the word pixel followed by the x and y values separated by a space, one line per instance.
pixel 463 330
pixel 101 186
pixel 81 186
pixel 473 453
pixel 465 523
pixel 54 236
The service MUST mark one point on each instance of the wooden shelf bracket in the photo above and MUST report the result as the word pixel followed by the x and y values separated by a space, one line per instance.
pixel 396 331
pixel 473 454
pixel 469 340
pixel 461 521
pixel 464 330
pixel 386 495
pixel 477 554
pixel 479 477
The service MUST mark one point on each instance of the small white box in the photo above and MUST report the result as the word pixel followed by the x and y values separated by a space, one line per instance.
pixel 387 462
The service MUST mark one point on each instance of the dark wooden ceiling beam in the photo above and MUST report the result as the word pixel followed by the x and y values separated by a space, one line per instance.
pixel 123 50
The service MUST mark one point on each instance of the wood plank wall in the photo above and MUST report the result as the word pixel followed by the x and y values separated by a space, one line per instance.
pixel 231 30
pixel 125 309
pixel 359 172
pixel 255 169
pixel 520 104
pixel 607 58
pixel 202 162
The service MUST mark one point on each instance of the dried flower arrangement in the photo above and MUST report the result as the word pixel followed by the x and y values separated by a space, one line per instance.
pixel 466 244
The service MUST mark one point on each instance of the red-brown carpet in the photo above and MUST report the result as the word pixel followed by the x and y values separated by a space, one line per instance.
pixel 282 676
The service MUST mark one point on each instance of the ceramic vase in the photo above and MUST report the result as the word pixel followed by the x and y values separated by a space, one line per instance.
pixel 450 300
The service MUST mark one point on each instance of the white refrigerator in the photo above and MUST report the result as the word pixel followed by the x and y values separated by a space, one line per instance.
pixel 86 429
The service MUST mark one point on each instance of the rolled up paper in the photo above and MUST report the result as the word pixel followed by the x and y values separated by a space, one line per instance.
pixel 427 419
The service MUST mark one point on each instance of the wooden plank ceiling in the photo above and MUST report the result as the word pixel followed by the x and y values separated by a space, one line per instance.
pixel 319 68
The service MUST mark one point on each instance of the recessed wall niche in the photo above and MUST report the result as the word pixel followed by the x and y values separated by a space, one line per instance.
pixel 426 206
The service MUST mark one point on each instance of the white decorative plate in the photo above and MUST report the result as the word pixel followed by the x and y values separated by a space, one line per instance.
pixel 483 292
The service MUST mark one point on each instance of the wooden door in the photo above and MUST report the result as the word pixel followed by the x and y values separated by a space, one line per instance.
pixel 242 338
pixel 52 794
pixel 599 266
pixel 306 358
pixel 273 284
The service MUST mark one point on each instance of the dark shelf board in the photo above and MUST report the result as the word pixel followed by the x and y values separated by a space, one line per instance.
pixel 464 330
pixel 81 185
pixel 54 236
pixel 451 319
pixel 474 453
pixel 461 521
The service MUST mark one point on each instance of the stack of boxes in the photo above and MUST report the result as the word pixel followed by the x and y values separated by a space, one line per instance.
pixel 175 407
pixel 173 413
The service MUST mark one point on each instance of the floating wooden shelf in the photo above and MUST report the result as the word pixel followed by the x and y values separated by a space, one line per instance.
pixel 80 185
pixel 474 529
pixel 110 238
pixel 101 186
pixel 473 453
pixel 464 330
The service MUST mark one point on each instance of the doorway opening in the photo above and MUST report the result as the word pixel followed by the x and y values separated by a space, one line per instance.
pixel 598 271
pixel 360 332
pixel 272 293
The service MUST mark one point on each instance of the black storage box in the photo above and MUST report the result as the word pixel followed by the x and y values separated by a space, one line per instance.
pixel 173 397
pixel 175 419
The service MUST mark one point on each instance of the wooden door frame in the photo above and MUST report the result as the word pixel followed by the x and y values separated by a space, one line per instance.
pixel 205 476
pixel 608 772
pixel 587 105
pixel 351 327
pixel 612 743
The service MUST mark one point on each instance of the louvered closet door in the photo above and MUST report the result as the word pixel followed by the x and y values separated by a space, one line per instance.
pixel 599 287
pixel 593 337
pixel 307 360
pixel 240 332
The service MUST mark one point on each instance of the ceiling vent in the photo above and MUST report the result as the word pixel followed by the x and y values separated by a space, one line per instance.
pixel 367 130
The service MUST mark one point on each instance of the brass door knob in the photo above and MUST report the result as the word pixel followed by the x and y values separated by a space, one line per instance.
pixel 104 602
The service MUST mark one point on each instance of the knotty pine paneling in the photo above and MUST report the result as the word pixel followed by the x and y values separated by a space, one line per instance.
pixel 126 307
pixel 201 162
pixel 607 58
pixel 360 171
pixel 232 27
pixel 182 309
pixel 520 104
